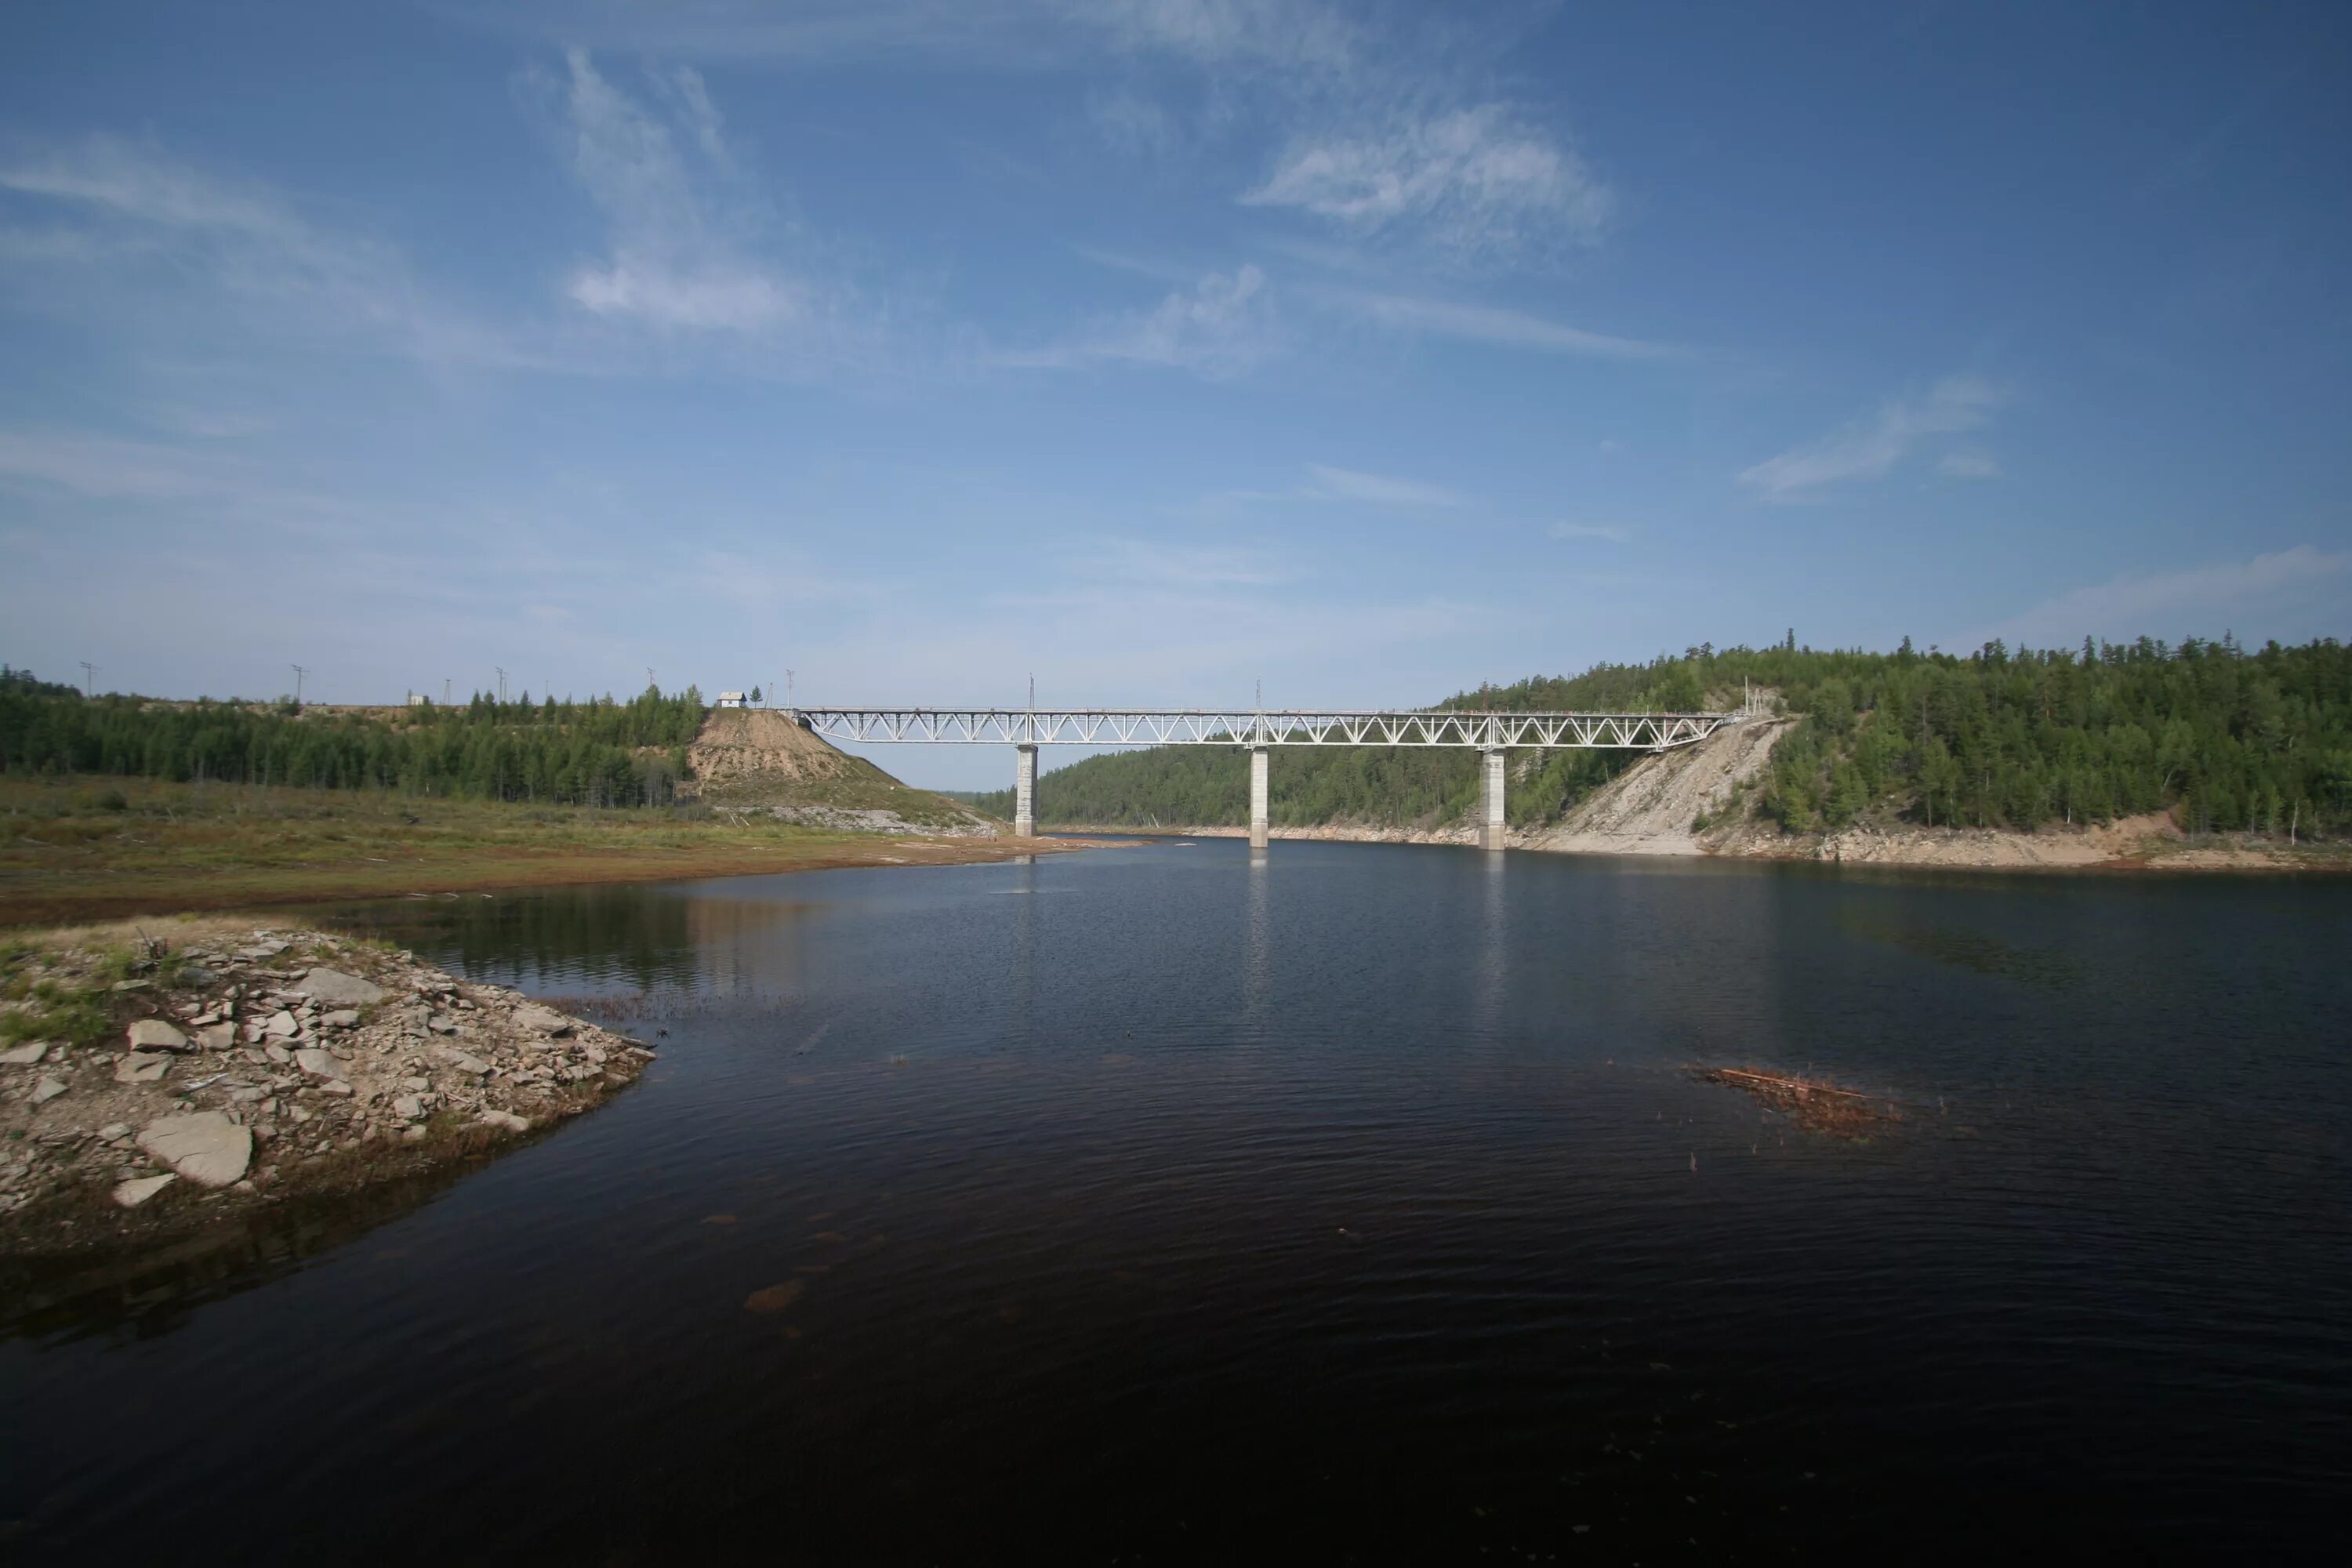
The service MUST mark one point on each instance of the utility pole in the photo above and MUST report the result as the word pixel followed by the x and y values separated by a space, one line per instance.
pixel 1032 693
pixel 445 691
pixel 503 682
pixel 649 679
pixel 789 701
pixel 89 678
pixel 298 673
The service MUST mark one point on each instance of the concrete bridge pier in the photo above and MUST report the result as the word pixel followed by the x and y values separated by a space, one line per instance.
pixel 1258 815
pixel 1490 800
pixel 1024 792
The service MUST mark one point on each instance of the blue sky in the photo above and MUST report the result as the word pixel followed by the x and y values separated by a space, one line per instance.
pixel 1156 347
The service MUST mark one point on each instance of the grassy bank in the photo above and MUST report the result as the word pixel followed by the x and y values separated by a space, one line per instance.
pixel 102 848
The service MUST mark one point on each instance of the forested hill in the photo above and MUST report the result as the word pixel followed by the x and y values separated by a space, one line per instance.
pixel 602 752
pixel 2230 738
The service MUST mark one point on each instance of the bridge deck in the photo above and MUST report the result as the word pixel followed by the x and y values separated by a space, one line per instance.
pixel 1231 727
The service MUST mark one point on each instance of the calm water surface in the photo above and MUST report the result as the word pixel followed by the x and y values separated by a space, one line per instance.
pixel 1166 1203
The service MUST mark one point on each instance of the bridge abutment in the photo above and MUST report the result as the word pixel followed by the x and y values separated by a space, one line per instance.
pixel 1259 757
pixel 1490 800
pixel 1024 792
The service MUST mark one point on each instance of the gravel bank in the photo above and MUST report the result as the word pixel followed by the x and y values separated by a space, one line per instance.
pixel 253 1067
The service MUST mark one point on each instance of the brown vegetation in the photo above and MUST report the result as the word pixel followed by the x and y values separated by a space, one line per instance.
pixel 1815 1104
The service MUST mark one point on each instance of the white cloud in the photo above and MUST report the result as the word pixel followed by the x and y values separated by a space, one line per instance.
pixel 1015 34
pixel 1220 327
pixel 139 203
pixel 1610 532
pixel 1378 490
pixel 2270 589
pixel 1489 324
pixel 1970 466
pixel 1870 448
pixel 1196 566
pixel 1475 183
pixel 679 237
pixel 1133 125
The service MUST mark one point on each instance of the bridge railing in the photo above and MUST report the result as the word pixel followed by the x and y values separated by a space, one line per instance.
pixel 1289 726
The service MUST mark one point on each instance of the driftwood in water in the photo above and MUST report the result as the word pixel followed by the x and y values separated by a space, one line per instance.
pixel 1816 1105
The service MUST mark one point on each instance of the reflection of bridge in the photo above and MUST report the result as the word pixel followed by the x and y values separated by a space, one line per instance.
pixel 1027 728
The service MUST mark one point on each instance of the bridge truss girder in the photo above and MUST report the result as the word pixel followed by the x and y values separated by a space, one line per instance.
pixel 1210 727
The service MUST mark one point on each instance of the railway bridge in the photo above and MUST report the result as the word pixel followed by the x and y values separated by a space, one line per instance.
pixel 1489 734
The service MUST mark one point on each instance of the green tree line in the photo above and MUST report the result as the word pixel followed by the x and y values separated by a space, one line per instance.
pixel 2227 738
pixel 601 751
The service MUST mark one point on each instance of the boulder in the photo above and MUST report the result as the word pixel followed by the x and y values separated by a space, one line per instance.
pixel 131 1194
pixel 464 1063
pixel 138 1067
pixel 542 1020
pixel 408 1107
pixel 340 1019
pixel 281 1024
pixel 26 1055
pixel 216 1036
pixel 204 1146
pixel 332 985
pixel 155 1035
pixel 318 1064
pixel 47 1089
pixel 507 1119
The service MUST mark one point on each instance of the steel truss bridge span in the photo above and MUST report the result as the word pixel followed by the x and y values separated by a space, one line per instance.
pixel 1222 727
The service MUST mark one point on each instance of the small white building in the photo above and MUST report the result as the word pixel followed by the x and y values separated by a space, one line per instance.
pixel 732 700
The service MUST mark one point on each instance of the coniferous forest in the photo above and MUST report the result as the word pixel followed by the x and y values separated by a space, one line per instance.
pixel 602 752
pixel 2229 738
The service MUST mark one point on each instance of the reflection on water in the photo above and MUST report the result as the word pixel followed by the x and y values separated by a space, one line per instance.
pixel 1330 1201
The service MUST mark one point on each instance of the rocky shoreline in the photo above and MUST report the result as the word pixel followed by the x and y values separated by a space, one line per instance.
pixel 248 1069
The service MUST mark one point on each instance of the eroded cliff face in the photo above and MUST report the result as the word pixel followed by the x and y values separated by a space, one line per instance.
pixel 754 759
pixel 1655 806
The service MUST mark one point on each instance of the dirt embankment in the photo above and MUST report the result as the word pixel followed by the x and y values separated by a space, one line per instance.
pixel 757 760
pixel 1656 806
pixel 252 1066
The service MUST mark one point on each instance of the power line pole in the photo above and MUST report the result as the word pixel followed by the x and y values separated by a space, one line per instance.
pixel 503 682
pixel 89 678
pixel 298 673
pixel 790 701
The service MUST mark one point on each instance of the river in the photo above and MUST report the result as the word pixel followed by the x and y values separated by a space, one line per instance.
pixel 1171 1203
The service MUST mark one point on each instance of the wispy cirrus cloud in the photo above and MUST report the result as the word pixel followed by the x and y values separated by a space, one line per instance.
pixel 1608 531
pixel 682 236
pixel 1492 324
pixel 2291 593
pixel 1483 184
pixel 1870 448
pixel 1380 490
pixel 125 205
pixel 1192 566
pixel 1220 327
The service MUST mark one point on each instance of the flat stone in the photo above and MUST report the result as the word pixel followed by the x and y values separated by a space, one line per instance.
pixel 340 1019
pixel 155 1035
pixel 47 1089
pixel 335 1086
pixel 114 1130
pixel 408 1107
pixel 542 1020
pixel 25 1055
pixel 131 1194
pixel 281 1024
pixel 507 1119
pixel 140 1067
pixel 464 1063
pixel 318 1064
pixel 277 1053
pixel 442 1023
pixel 196 975
pixel 204 1146
pixel 216 1036
pixel 343 990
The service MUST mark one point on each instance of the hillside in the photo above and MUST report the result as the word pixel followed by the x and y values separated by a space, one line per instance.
pixel 2206 738
pixel 758 759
